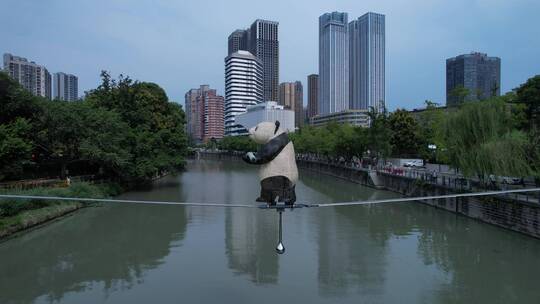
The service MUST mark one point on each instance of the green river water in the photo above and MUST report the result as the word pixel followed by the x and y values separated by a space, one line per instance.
pixel 387 253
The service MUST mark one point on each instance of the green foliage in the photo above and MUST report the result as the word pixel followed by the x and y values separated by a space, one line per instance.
pixel 156 141
pixel 430 132
pixel 237 143
pixel 528 95
pixel 18 109
pixel 482 140
pixel 15 148
pixel 405 137
pixel 16 102
pixel 379 134
pixel 460 94
pixel 331 140
pixel 12 207
pixel 124 129
pixel 527 102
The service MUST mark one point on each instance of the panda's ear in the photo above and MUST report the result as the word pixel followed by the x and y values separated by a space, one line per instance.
pixel 277 126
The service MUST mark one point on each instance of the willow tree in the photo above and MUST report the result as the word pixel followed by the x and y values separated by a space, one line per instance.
pixel 481 139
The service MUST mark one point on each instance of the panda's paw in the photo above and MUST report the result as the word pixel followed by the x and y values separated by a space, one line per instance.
pixel 251 156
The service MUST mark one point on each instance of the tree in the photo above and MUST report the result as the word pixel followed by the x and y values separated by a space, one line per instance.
pixel 528 94
pixel 528 100
pixel 378 137
pixel 156 137
pixel 482 139
pixel 15 148
pixel 459 94
pixel 430 124
pixel 404 138
pixel 350 141
pixel 18 109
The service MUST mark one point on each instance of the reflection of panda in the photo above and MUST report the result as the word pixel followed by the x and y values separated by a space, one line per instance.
pixel 278 173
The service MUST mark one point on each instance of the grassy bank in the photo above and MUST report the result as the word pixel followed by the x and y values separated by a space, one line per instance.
pixel 20 214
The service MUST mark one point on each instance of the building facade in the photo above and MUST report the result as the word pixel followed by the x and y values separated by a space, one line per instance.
pixel 333 63
pixel 286 95
pixel 353 117
pixel 313 85
pixel 298 104
pixel 267 111
pixel 204 114
pixel 213 116
pixel 263 42
pixel 33 77
pixel 261 39
pixel 237 41
pixel 243 88
pixel 476 72
pixel 65 87
pixel 194 113
pixel 367 62
pixel 291 97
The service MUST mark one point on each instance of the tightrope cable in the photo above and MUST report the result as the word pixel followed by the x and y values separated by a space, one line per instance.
pixel 423 198
pixel 298 205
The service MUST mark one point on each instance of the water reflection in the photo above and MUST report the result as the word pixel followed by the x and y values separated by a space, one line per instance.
pixel 250 244
pixel 111 245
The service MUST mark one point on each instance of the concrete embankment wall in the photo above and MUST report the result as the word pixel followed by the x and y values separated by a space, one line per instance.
pixel 500 211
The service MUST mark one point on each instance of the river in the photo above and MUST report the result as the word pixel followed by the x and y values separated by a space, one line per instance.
pixel 387 253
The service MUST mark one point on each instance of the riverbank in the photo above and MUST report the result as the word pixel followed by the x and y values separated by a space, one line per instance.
pixel 20 215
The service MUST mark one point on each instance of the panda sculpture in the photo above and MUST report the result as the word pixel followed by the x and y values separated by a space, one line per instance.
pixel 278 172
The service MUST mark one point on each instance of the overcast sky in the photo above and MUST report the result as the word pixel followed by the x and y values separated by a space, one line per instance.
pixel 182 44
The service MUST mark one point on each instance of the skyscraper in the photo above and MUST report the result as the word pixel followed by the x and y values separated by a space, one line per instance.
pixel 261 40
pixel 477 73
pixel 65 87
pixel 264 44
pixel 194 113
pixel 286 95
pixel 291 97
pixel 298 104
pixel 333 63
pixel 243 87
pixel 367 62
pixel 237 41
pixel 213 115
pixel 33 77
pixel 313 84
pixel 204 114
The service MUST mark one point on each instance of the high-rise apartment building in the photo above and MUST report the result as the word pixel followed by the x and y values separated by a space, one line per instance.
pixel 194 113
pixel 213 115
pixel 204 114
pixel 65 87
pixel 367 62
pixel 478 73
pixel 243 87
pixel 313 84
pixel 333 63
pixel 298 104
pixel 33 77
pixel 286 95
pixel 261 40
pixel 264 44
pixel 291 97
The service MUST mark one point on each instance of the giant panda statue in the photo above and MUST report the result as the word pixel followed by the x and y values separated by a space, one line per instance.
pixel 278 172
